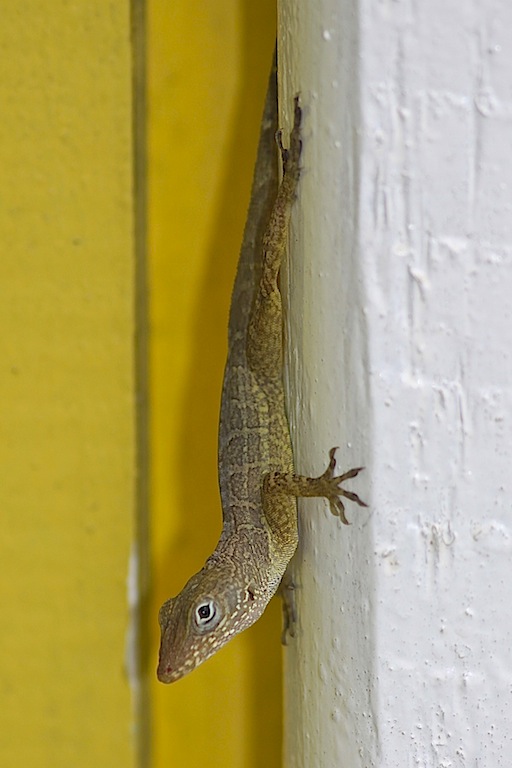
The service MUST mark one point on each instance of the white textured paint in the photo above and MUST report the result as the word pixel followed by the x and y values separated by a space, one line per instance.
pixel 400 321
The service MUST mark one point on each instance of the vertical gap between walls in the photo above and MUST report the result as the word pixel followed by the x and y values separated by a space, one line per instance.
pixel 139 576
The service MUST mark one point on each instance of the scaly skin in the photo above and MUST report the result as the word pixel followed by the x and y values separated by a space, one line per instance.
pixel 257 483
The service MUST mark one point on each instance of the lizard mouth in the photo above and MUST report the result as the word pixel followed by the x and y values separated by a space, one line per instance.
pixel 165 674
pixel 168 674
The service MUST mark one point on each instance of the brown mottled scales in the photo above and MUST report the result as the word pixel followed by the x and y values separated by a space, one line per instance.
pixel 257 483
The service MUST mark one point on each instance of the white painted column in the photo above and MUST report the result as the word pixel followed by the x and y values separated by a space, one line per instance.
pixel 400 352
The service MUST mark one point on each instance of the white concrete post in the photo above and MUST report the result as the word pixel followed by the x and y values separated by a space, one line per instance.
pixel 400 291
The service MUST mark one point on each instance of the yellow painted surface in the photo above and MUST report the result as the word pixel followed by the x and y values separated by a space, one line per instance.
pixel 207 72
pixel 67 444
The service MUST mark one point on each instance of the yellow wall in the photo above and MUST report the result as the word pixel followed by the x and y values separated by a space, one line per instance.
pixel 207 72
pixel 70 274
pixel 67 447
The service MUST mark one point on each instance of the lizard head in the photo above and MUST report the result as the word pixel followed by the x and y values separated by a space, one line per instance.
pixel 210 610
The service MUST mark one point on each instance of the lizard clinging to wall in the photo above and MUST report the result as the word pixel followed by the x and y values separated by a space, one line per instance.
pixel 257 481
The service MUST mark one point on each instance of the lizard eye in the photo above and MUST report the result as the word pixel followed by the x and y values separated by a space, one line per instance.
pixel 205 613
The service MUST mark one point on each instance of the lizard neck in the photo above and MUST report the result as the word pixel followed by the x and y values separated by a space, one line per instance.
pixel 257 568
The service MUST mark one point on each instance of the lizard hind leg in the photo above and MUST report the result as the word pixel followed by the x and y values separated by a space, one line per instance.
pixel 265 331
pixel 290 157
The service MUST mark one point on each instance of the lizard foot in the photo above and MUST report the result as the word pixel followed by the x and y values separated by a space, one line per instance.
pixel 329 486
pixel 290 156
pixel 286 591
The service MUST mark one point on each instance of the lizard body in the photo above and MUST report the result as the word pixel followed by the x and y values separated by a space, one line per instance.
pixel 257 483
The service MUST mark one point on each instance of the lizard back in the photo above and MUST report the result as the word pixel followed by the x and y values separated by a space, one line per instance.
pixel 253 427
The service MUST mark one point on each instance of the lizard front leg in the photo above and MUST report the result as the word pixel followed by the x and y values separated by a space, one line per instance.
pixel 328 485
pixel 279 486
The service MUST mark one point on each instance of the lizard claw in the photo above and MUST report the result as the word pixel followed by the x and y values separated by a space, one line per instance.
pixel 334 490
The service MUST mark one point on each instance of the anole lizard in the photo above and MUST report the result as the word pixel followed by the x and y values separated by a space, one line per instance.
pixel 257 481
